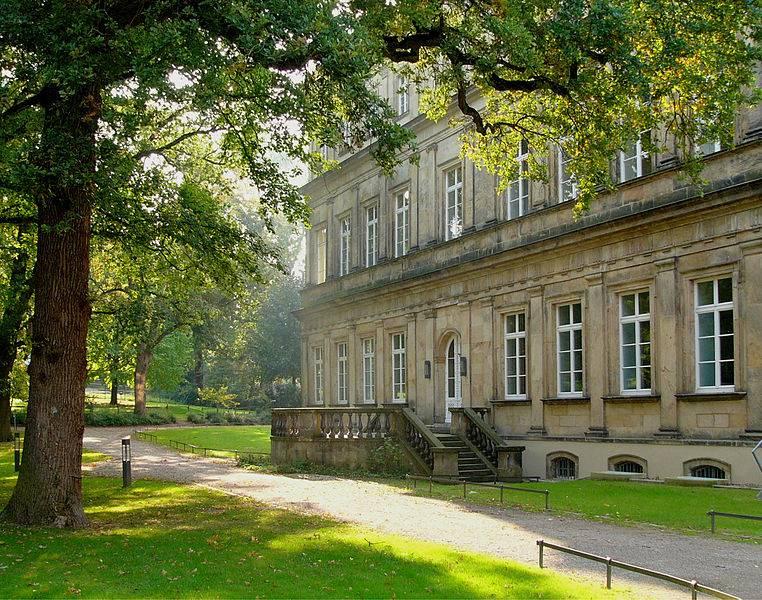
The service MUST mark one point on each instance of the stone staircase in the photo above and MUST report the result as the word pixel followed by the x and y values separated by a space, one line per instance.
pixel 471 466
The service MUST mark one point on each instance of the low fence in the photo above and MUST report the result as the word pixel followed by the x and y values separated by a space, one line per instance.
pixel 610 563
pixel 465 484
pixel 713 514
pixel 200 450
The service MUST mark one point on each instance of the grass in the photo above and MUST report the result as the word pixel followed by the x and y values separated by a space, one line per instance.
pixel 158 539
pixel 624 503
pixel 246 438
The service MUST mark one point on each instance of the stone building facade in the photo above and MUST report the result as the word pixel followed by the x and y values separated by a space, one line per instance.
pixel 627 339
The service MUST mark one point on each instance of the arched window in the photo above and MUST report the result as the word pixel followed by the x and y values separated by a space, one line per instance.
pixel 625 463
pixel 707 468
pixel 628 466
pixel 562 465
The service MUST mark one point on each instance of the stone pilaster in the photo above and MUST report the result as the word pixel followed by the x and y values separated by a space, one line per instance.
pixel 536 359
pixel 668 349
pixel 381 361
pixel 594 344
pixel 751 318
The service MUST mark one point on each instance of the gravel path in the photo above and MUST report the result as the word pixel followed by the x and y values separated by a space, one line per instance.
pixel 729 566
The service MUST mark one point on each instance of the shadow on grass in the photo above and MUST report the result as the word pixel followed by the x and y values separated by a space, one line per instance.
pixel 158 539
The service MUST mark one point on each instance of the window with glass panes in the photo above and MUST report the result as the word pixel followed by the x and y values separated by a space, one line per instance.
pixel 715 351
pixel 317 374
pixel 518 190
pixel 346 233
pixel 567 184
pixel 635 341
pixel 342 373
pixel 371 235
pixel 369 370
pixel 403 96
pixel 321 247
pixel 401 223
pixel 635 161
pixel 515 356
pixel 399 368
pixel 570 368
pixel 454 202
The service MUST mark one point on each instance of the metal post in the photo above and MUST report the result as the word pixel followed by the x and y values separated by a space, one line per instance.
pixel 464 490
pixel 711 516
pixel 16 451
pixel 694 589
pixel 126 462
pixel 430 487
pixel 501 494
pixel 547 494
pixel 608 572
pixel 541 544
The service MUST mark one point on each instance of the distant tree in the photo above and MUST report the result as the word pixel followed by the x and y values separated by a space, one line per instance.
pixel 172 358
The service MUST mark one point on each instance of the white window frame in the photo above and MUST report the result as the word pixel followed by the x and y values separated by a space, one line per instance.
pixel 565 178
pixel 403 96
pixel 708 148
pixel 637 319
pixel 318 380
pixel 324 151
pixel 345 227
pixel 321 254
pixel 401 223
pixel 342 373
pixel 371 235
pixel 454 203
pixel 369 370
pixel 569 329
pixel 640 156
pixel 514 339
pixel 715 308
pixel 399 367
pixel 517 204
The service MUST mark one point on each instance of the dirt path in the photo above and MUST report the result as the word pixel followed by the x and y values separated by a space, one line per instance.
pixel 729 566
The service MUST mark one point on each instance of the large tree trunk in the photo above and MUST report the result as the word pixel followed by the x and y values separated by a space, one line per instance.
pixel 49 488
pixel 141 372
pixel 114 391
pixel 11 321
pixel 198 361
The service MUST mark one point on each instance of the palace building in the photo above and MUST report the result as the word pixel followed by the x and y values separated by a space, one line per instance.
pixel 628 340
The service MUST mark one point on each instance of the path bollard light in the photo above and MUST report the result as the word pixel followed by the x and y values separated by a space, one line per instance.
pixel 126 462
pixel 16 451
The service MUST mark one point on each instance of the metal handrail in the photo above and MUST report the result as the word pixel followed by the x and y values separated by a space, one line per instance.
pixel 495 485
pixel 610 563
pixel 712 514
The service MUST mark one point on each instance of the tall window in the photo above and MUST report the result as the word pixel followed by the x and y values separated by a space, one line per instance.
pixel 342 374
pixel 346 231
pixel 371 235
pixel 635 161
pixel 321 247
pixel 399 368
pixel 635 336
pixel 518 190
pixel 317 374
pixel 515 356
pixel 403 95
pixel 567 184
pixel 324 151
pixel 401 223
pixel 570 349
pixel 715 362
pixel 369 370
pixel 709 148
pixel 454 202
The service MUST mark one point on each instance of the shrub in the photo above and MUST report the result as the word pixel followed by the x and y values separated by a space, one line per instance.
pixel 196 418
pixel 215 418
pixel 388 459
pixel 112 418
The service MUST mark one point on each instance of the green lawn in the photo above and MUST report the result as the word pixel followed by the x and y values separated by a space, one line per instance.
pixel 157 404
pixel 244 438
pixel 159 539
pixel 670 506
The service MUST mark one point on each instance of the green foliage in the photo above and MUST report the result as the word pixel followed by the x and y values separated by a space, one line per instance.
pixel 111 418
pixel 19 381
pixel 218 396
pixel 171 360
pixel 388 459
pixel 249 438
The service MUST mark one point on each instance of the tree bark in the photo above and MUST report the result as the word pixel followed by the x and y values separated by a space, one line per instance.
pixel 198 361
pixel 114 392
pixel 141 371
pixel 11 321
pixel 49 486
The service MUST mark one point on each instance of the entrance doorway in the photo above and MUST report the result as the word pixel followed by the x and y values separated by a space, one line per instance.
pixel 453 380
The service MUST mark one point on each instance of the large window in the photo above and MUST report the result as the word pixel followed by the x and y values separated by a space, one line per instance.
pixel 342 373
pixel 570 367
pixel 403 95
pixel 317 374
pixel 635 161
pixel 567 184
pixel 401 223
pixel 369 370
pixel 371 235
pixel 518 190
pixel 515 356
pixel 321 247
pixel 715 353
pixel 399 368
pixel 454 202
pixel 562 466
pixel 346 232
pixel 635 342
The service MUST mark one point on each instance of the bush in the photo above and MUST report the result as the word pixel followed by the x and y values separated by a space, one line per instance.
pixel 112 418
pixel 196 418
pixel 388 459
pixel 215 418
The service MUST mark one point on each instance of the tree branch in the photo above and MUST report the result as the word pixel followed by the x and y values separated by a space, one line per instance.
pixel 178 140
